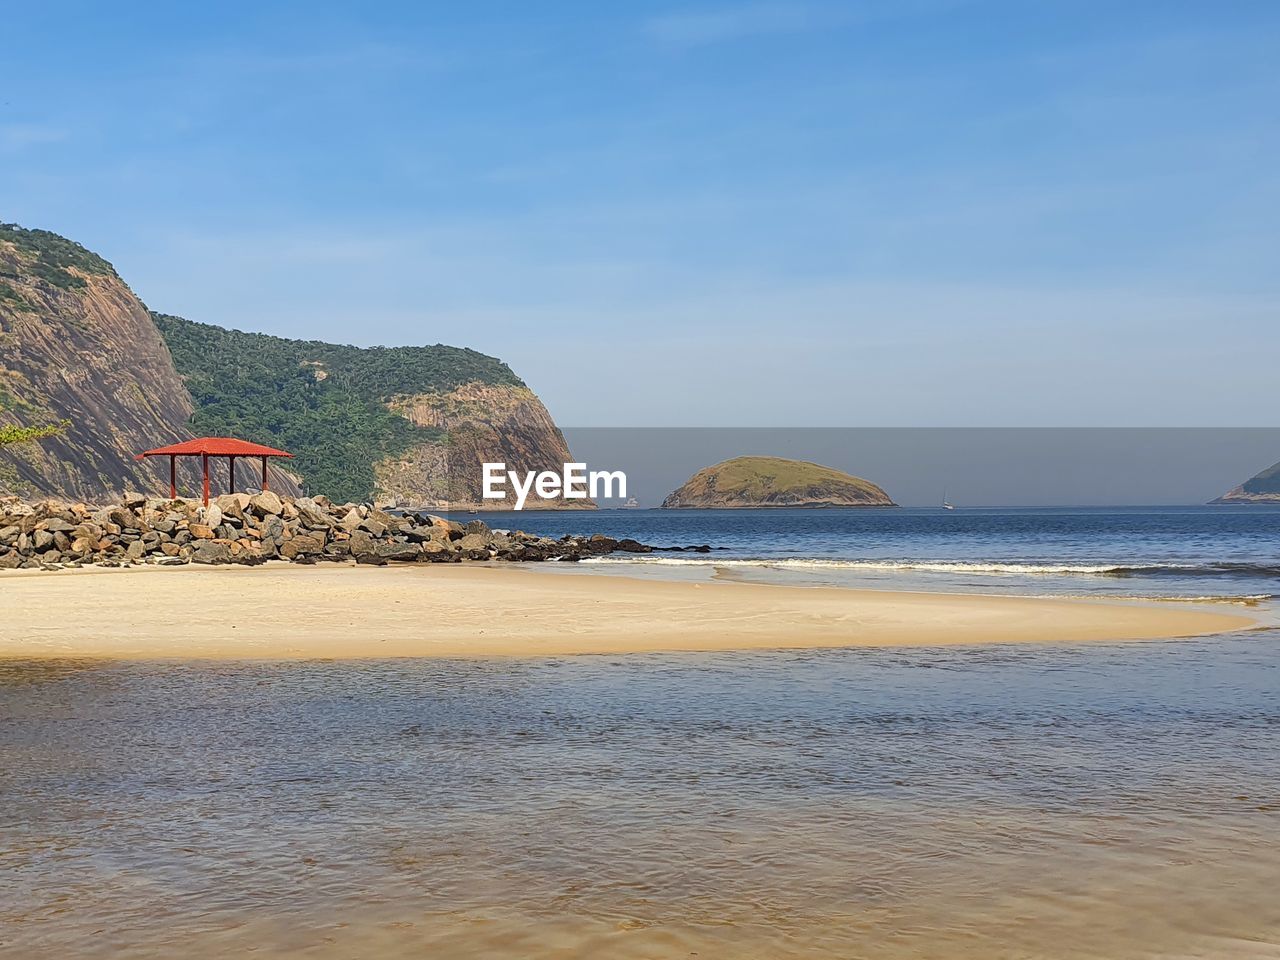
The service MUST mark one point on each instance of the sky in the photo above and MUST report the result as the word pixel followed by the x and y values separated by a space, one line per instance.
pixel 775 213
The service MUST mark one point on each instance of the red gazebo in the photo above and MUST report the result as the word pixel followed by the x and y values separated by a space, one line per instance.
pixel 206 447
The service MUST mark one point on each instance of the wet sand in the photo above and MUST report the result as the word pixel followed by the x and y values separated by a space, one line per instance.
pixel 294 612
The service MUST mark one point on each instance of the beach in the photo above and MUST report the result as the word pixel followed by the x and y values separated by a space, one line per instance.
pixel 283 611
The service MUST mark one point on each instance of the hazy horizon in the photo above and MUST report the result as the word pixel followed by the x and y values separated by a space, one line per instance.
pixel 974 467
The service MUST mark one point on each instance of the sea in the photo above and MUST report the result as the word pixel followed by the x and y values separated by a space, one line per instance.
pixel 1107 801
pixel 1205 553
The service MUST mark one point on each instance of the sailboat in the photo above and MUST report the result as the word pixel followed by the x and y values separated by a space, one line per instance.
pixel 947 504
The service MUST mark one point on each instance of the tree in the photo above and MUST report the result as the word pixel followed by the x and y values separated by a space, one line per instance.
pixel 10 433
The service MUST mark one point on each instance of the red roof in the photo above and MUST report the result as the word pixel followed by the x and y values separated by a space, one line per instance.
pixel 214 447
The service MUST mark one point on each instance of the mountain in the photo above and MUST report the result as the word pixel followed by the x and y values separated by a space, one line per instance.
pixel 76 344
pixel 412 424
pixel 745 482
pixel 1262 488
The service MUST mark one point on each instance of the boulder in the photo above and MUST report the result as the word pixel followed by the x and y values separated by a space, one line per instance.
pixel 373 526
pixel 300 545
pixel 398 551
pixel 312 514
pixel 211 551
pixel 474 542
pixel 361 544
pixel 200 531
pixel 266 504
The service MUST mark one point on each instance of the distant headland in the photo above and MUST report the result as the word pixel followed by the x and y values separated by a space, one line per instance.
pixel 1261 488
pixel 751 482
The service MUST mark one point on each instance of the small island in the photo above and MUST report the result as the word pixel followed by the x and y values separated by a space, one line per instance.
pixel 749 482
pixel 1262 488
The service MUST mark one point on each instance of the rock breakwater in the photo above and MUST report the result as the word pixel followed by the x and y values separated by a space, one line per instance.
pixel 251 529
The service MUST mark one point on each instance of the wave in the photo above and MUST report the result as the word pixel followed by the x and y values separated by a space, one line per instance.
pixel 976 567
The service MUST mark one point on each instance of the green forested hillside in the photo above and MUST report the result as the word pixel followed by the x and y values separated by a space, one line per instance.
pixel 322 402
pixel 49 256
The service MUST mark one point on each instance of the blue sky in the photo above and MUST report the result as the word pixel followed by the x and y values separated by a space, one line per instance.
pixel 918 212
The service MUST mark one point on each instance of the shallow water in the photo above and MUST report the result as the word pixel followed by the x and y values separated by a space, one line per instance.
pixel 1049 801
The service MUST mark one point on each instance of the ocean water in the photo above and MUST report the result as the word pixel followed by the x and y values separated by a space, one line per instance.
pixel 1092 801
pixel 1173 552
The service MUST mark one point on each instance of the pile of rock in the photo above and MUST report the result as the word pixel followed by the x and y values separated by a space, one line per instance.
pixel 239 528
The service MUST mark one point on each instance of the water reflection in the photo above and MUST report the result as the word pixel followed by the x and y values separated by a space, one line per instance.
pixel 999 802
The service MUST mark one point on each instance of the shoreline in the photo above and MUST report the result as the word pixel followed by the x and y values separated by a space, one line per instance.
pixel 290 612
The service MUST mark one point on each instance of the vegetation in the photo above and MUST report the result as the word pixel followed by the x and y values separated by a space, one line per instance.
pixel 50 255
pixel 13 296
pixel 325 403
pixel 758 481
pixel 14 434
pixel 1268 481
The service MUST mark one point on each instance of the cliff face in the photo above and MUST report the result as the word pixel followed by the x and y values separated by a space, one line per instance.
pixel 746 482
pixel 481 423
pixel 77 345
pixel 1262 488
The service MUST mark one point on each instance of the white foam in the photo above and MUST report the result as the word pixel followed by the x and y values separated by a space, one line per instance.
pixel 923 566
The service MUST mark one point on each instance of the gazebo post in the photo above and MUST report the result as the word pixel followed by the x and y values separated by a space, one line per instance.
pixel 232 462
pixel 264 474
pixel 204 462
pixel 173 477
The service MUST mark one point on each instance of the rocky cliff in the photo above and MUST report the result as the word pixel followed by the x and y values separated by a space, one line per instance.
pixel 1262 488
pixel 77 345
pixel 477 423
pixel 746 482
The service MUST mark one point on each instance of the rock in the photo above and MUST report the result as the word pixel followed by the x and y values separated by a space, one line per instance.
pixel 375 527
pixel 628 545
pixel 266 504
pixel 474 542
pixel 361 544
pixel 212 516
pixel 233 505
pixel 436 551
pixel 398 551
pixel 350 521
pixel 300 546
pixel 11 560
pixel 200 531
pixel 312 514
pixel 211 551
pixel 476 527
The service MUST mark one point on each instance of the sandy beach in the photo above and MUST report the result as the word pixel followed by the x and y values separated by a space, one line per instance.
pixel 331 611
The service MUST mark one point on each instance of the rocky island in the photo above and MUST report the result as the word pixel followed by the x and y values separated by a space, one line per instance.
pixel 1261 488
pixel 747 482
